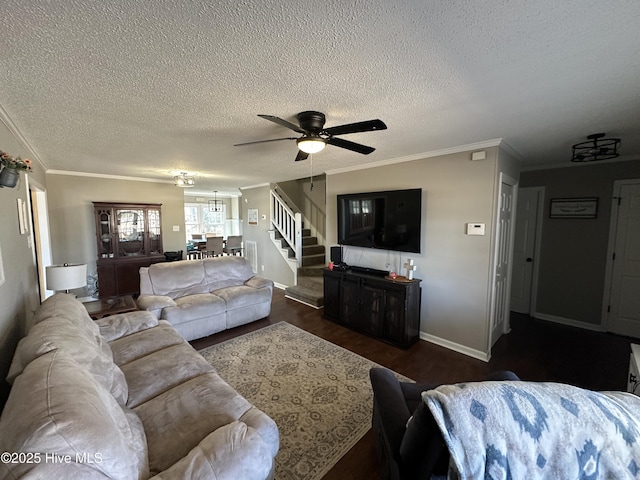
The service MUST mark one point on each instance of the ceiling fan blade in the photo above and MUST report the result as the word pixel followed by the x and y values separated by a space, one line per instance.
pixel 356 147
pixel 282 122
pixel 263 141
pixel 301 156
pixel 367 126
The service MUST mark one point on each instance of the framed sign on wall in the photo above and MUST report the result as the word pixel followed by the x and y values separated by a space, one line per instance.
pixel 252 216
pixel 574 207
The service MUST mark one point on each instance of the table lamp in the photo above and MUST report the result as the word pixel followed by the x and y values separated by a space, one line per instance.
pixel 65 277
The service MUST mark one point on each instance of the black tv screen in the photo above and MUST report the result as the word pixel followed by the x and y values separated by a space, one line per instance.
pixel 387 220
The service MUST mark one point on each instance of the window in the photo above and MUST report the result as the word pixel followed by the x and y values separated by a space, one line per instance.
pixel 199 219
pixel 361 218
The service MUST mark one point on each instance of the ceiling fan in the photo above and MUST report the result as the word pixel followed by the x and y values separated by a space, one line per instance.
pixel 315 137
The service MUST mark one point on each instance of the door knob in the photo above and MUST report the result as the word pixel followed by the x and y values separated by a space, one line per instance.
pixel 529 259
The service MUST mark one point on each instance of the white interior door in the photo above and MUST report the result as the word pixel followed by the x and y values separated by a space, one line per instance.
pixel 524 247
pixel 503 254
pixel 623 309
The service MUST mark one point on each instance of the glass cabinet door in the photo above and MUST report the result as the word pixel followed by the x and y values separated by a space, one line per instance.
pixel 105 233
pixel 131 232
pixel 155 233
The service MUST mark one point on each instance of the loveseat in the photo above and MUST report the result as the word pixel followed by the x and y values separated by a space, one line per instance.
pixel 203 297
pixel 125 397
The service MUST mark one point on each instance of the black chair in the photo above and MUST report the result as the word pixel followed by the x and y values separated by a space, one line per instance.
pixel 415 450
pixel 173 256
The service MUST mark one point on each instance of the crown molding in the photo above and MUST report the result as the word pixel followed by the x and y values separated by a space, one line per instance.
pixel 15 131
pixel 259 185
pixel 496 142
pixel 103 175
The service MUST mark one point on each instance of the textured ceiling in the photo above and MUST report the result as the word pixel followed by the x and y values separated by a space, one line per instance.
pixel 139 88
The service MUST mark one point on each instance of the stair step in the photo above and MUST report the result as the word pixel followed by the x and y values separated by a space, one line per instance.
pixel 311 271
pixel 308 260
pixel 306 232
pixel 313 283
pixel 312 249
pixel 306 240
pixel 305 295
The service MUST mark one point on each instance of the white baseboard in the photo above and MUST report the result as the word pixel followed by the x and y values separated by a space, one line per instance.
pixel 456 347
pixel 568 321
pixel 303 302
pixel 280 285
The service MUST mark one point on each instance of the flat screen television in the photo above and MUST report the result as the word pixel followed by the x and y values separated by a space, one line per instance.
pixel 387 220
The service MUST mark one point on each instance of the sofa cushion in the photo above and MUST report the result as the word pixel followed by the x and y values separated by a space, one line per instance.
pixel 60 333
pixel 194 307
pixel 232 452
pixel 123 324
pixel 186 414
pixel 228 271
pixel 57 407
pixel 154 374
pixel 242 296
pixel 177 279
pixel 62 305
pixel 137 345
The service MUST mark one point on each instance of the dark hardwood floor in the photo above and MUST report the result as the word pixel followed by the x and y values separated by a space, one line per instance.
pixel 535 350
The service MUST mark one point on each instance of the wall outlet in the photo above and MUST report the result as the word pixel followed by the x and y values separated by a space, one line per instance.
pixel 262 267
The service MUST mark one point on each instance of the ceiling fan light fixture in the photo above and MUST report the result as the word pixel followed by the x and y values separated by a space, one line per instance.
pixel 596 148
pixel 184 181
pixel 311 144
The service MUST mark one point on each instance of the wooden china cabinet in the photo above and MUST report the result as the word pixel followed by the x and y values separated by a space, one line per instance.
pixel 129 236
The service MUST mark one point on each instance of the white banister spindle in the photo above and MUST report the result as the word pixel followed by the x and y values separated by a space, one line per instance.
pixel 288 223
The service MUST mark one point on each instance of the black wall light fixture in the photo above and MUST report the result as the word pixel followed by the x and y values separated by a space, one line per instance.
pixel 596 148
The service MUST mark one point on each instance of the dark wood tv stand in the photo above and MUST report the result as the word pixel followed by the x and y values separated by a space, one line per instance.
pixel 383 308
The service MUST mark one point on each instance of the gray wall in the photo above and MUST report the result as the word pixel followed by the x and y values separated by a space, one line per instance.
pixel 573 253
pixel 19 293
pixel 455 268
pixel 71 218
pixel 275 266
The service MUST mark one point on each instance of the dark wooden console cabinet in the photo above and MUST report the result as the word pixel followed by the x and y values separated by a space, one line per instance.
pixel 386 309
pixel 129 236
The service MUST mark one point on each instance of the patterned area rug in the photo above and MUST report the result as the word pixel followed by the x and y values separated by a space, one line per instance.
pixel 318 393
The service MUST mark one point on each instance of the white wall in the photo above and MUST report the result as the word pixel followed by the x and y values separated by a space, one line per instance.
pixel 455 268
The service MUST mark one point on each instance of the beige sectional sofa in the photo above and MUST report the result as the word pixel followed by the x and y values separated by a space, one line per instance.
pixel 125 397
pixel 203 297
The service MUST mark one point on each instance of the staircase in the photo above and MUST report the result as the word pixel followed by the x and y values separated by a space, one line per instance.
pixel 309 288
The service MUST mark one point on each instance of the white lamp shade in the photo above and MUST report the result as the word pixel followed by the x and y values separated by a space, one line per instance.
pixel 66 277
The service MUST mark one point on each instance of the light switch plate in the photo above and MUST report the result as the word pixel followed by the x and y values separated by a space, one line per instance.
pixel 176 228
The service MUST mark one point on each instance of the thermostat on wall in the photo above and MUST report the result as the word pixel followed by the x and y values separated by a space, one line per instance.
pixel 475 228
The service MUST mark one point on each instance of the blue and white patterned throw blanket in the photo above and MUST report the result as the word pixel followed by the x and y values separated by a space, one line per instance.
pixel 526 430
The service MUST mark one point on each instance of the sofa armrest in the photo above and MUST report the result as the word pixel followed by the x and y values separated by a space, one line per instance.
pixel 259 282
pixel 231 452
pixel 390 407
pixel 154 303
pixel 123 324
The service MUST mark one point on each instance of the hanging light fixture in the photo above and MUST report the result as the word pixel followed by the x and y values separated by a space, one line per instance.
pixel 184 180
pixel 215 205
pixel 311 143
pixel 597 148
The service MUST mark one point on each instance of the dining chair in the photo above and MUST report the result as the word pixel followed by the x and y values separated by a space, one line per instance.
pixel 234 245
pixel 215 246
